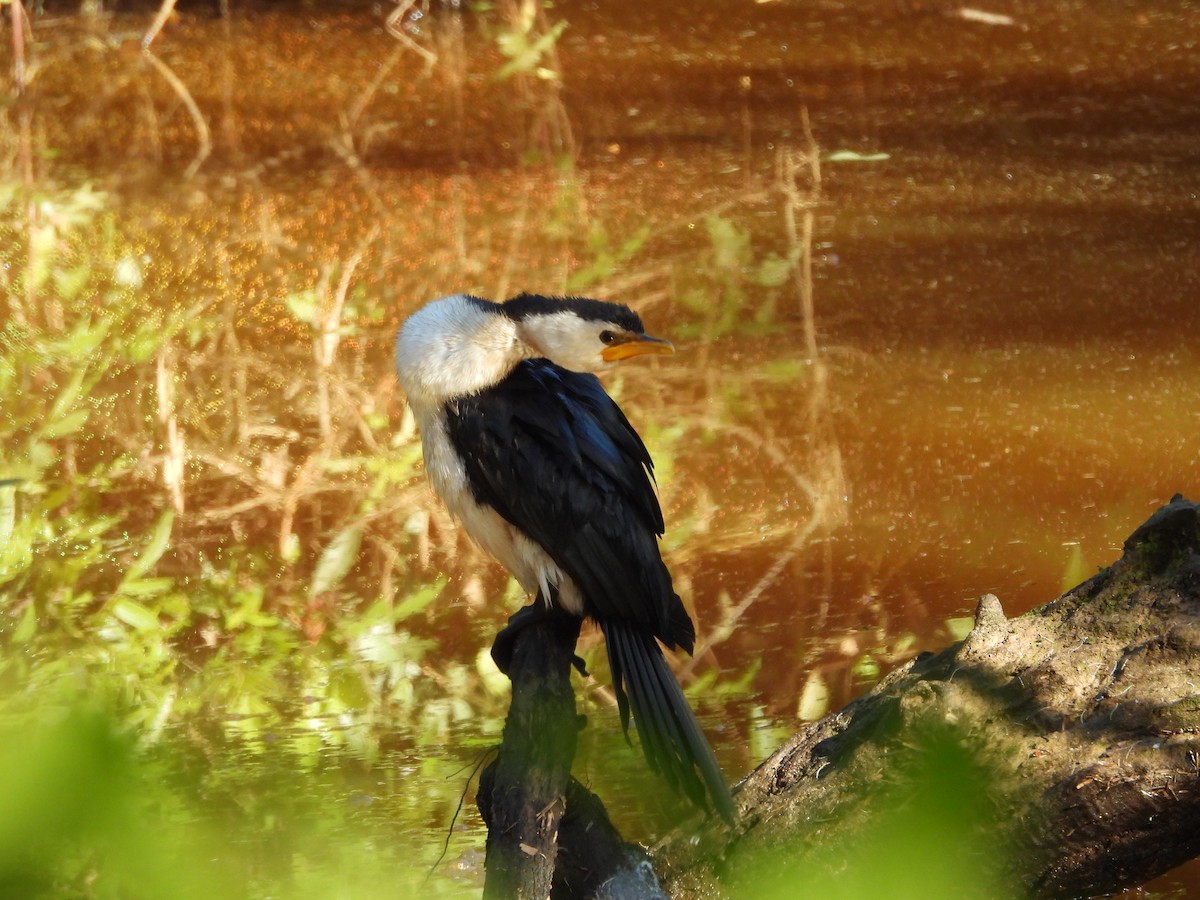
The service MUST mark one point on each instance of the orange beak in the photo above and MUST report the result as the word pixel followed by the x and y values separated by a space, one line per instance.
pixel 640 345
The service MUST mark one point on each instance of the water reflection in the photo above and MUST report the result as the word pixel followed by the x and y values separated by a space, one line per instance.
pixel 994 387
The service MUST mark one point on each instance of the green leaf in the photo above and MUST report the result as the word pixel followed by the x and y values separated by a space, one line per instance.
pixel 153 551
pixel 414 603
pixel 494 681
pixel 27 626
pixel 8 187
pixel 249 612
pixel 69 283
pixel 960 626
pixel 135 614
pixel 68 424
pixel 303 306
pixel 729 243
pixel 336 560
pixel 145 587
pixel 68 396
pixel 346 686
pixel 866 668
pixel 774 270
pixel 8 512
pixel 904 643
pixel 1077 570
pixel 83 341
pixel 525 56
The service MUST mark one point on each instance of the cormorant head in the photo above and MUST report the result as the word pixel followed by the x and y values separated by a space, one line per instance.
pixel 462 344
pixel 580 334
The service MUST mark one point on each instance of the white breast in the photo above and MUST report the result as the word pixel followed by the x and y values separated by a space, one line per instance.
pixel 526 560
pixel 455 347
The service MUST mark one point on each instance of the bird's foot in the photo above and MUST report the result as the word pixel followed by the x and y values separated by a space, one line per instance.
pixel 505 643
pixel 506 640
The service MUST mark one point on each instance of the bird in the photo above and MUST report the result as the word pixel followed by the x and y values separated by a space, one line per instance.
pixel 541 467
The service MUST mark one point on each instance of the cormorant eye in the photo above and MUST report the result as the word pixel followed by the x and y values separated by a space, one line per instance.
pixel 608 337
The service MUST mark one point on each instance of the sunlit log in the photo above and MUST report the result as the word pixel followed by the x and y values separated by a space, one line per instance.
pixel 1056 754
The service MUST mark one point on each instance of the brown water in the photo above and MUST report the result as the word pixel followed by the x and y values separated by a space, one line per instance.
pixel 1006 306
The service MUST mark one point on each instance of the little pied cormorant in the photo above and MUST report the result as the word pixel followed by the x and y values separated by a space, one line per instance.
pixel 526 449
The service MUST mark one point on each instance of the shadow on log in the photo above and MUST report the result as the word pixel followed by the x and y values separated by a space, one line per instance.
pixel 1079 723
pixel 1054 755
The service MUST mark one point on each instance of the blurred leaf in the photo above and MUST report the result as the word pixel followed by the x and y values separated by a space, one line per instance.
pixel 8 510
pixel 134 614
pixel 145 587
pixel 27 627
pixel 303 306
pixel 419 599
pixel 960 626
pixel 494 681
pixel 67 425
pixel 766 733
pixel 336 560
pixel 903 643
pixel 291 548
pixel 249 611
pixel 346 686
pixel 1076 570
pixel 68 396
pixel 814 698
pixel 69 283
pixel 524 55
pixel 774 271
pixel 929 833
pixel 866 668
pixel 153 551
pixel 786 370
pixel 81 345
pixel 729 242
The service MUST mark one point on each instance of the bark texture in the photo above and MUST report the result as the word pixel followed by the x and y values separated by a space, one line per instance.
pixel 522 794
pixel 548 835
pixel 1071 734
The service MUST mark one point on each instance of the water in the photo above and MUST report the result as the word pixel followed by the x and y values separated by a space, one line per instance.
pixel 1004 285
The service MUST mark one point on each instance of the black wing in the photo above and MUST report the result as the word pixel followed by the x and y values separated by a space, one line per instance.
pixel 552 453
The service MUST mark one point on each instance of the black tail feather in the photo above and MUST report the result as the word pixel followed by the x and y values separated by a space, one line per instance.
pixel 671 738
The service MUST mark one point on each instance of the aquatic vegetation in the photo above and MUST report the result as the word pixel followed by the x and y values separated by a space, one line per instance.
pixel 88 814
pixel 211 520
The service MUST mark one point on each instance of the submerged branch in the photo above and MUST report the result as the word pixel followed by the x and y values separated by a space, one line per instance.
pixel 160 19
pixel 203 135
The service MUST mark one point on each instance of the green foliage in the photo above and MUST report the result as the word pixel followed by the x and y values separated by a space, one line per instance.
pixel 605 258
pixel 960 626
pixel 731 288
pixel 767 733
pixel 88 815
pixel 525 44
pixel 104 595
pixel 888 650
pixel 930 833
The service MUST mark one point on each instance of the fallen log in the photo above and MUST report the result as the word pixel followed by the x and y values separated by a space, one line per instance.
pixel 1071 735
